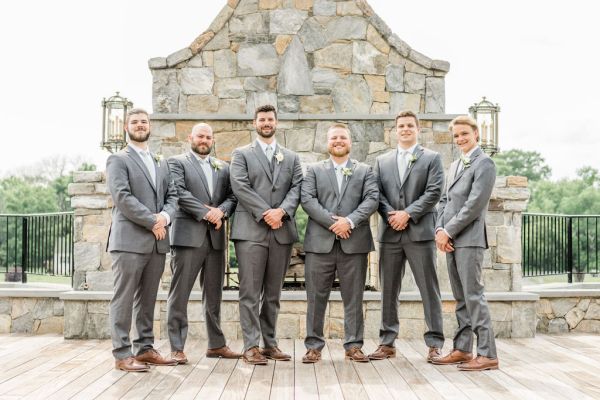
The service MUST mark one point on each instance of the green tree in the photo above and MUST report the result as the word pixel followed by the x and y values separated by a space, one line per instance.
pixel 22 196
pixel 522 163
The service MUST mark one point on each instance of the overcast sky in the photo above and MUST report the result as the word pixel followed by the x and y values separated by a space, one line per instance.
pixel 537 59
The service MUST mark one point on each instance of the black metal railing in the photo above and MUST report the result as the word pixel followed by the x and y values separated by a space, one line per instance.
pixel 560 244
pixel 39 244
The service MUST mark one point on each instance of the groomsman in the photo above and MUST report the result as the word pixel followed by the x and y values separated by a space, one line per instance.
pixel 199 241
pixel 339 195
pixel 461 234
pixel 266 179
pixel 144 204
pixel 410 182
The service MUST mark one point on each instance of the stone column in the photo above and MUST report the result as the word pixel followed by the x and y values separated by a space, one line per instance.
pixel 92 204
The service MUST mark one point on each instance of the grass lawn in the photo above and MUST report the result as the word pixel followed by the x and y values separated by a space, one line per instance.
pixel 63 280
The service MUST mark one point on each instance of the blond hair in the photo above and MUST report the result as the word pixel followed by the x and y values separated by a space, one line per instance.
pixel 464 120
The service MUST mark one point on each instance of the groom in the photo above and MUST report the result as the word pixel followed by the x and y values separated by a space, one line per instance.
pixel 461 234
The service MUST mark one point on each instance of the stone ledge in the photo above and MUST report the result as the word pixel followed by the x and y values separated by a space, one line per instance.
pixel 33 292
pixel 294 117
pixel 232 295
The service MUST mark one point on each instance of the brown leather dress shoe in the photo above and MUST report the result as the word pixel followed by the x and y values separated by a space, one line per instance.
pixel 275 354
pixel 153 357
pixel 179 356
pixel 253 356
pixel 222 352
pixel 455 357
pixel 480 363
pixel 130 364
pixel 312 356
pixel 433 354
pixel 383 352
pixel 355 354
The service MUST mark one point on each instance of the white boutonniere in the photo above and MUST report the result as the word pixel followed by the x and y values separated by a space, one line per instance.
pixel 279 157
pixel 347 172
pixel 466 161
pixel 413 158
pixel 216 164
pixel 158 158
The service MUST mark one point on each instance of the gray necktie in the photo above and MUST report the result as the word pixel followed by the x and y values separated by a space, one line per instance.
pixel 206 168
pixel 149 163
pixel 402 164
pixel 339 176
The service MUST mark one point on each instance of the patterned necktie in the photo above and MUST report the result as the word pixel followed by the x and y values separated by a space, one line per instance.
pixel 149 163
pixel 269 153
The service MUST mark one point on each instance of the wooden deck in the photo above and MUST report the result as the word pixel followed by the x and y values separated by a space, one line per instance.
pixel 547 367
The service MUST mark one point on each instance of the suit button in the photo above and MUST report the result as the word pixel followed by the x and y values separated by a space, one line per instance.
pixel 401 196
pixel 273 189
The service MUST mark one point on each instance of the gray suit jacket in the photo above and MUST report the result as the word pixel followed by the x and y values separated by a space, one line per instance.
pixel 321 200
pixel 189 227
pixel 464 203
pixel 418 194
pixel 257 190
pixel 136 200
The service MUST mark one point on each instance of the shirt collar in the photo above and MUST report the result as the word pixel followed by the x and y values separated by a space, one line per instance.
pixel 263 145
pixel 339 165
pixel 207 159
pixel 410 150
pixel 138 150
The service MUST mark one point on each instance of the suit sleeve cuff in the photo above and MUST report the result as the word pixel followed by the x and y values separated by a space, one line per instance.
pixel 445 231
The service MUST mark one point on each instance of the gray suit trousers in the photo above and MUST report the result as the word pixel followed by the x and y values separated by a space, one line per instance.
pixel 392 263
pixel 320 273
pixel 187 263
pixel 472 313
pixel 136 280
pixel 262 268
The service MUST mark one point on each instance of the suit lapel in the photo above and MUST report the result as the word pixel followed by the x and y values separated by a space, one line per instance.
pixel 262 159
pixel 328 165
pixel 418 152
pixel 196 164
pixel 394 167
pixel 215 179
pixel 136 158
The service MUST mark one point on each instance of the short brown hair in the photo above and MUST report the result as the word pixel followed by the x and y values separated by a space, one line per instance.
pixel 339 126
pixel 265 108
pixel 406 113
pixel 134 111
pixel 464 120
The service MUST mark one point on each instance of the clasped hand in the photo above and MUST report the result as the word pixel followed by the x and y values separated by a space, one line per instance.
pixel 341 227
pixel 274 217
pixel 159 229
pixel 442 242
pixel 398 220
pixel 214 216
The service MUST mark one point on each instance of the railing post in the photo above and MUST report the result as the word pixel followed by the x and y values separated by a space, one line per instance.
pixel 570 249
pixel 24 249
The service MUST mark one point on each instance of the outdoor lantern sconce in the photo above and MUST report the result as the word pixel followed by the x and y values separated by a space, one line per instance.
pixel 486 115
pixel 114 112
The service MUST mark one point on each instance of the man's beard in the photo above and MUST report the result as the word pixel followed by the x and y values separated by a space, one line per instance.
pixel 203 150
pixel 339 153
pixel 266 135
pixel 138 136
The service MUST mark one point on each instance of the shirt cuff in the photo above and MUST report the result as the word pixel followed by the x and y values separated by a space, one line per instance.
pixel 167 217
pixel 350 222
pixel 445 231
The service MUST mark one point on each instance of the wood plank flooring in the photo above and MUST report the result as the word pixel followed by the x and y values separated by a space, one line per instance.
pixel 547 367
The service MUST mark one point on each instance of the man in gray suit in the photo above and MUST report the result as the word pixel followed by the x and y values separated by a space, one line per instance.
pixel 199 241
pixel 144 203
pixel 339 195
pixel 266 179
pixel 410 185
pixel 461 234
